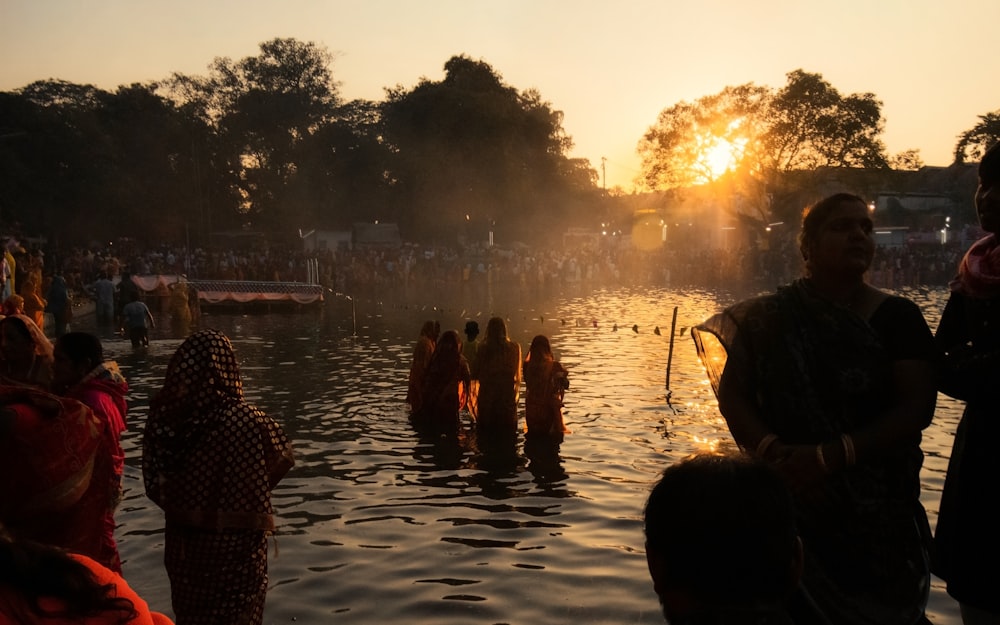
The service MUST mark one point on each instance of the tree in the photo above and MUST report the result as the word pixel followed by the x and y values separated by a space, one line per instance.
pixel 677 151
pixel 264 109
pixel 471 153
pixel 907 160
pixel 805 126
pixel 809 125
pixel 974 142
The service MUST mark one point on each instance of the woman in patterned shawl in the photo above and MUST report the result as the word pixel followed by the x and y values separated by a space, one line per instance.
pixel 832 381
pixel 210 461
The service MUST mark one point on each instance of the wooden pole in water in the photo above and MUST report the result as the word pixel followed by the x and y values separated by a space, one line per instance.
pixel 670 353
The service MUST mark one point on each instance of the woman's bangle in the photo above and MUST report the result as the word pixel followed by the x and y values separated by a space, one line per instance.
pixel 821 459
pixel 765 444
pixel 850 454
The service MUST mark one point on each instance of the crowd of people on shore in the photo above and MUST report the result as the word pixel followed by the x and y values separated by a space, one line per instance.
pixel 37 281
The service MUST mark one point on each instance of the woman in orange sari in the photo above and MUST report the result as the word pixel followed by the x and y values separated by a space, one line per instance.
pixel 422 353
pixel 498 369
pixel 545 383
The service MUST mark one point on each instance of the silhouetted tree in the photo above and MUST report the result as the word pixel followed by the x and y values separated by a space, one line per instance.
pixel 471 154
pixel 975 141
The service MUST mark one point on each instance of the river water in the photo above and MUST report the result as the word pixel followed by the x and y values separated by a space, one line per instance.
pixel 377 524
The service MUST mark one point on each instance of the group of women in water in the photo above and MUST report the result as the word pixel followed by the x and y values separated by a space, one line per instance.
pixel 483 378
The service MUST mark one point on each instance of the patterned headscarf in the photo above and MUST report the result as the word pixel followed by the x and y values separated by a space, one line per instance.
pixel 210 459
pixel 979 271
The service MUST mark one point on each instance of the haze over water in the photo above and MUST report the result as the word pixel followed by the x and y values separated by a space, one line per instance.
pixel 376 523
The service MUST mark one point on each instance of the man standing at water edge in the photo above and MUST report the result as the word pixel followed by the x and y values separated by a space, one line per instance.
pixel 137 320
pixel 721 543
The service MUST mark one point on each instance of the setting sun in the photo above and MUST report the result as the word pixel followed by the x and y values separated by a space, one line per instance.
pixel 719 155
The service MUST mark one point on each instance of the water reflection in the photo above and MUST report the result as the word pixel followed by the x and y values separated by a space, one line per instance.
pixel 377 520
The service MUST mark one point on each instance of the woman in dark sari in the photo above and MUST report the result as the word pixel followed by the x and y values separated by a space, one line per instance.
pixel 832 382
pixel 966 541
pixel 446 387
pixel 210 461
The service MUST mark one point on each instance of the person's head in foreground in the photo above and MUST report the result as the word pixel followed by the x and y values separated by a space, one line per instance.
pixel 988 192
pixel 721 539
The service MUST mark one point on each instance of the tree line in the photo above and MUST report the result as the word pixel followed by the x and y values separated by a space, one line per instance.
pixel 267 143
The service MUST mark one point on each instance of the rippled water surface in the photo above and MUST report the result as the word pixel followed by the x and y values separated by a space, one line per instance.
pixel 377 524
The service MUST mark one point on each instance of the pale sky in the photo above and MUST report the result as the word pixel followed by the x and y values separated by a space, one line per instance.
pixel 609 66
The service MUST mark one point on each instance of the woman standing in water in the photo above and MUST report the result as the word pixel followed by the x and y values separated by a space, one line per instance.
pixel 832 381
pixel 210 461
pixel 422 353
pixel 446 387
pixel 967 545
pixel 498 369
pixel 545 383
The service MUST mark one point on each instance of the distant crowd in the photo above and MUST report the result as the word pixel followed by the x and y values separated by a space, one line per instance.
pixel 27 270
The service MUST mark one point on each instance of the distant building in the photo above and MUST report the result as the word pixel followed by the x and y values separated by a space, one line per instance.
pixel 376 235
pixel 319 240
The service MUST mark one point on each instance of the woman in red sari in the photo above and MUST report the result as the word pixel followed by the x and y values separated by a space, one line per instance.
pixel 545 383
pixel 57 480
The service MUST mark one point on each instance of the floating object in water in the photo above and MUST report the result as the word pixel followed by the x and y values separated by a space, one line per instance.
pixel 541 319
pixel 595 323
pixel 656 330
pixel 635 328
pixel 683 330
pixel 614 329
pixel 562 321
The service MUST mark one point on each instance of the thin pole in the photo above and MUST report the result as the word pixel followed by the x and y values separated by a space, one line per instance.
pixel 670 354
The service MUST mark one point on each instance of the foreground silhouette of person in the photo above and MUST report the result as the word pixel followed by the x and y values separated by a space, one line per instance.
pixel 831 381
pixel 44 585
pixel 967 544
pixel 721 543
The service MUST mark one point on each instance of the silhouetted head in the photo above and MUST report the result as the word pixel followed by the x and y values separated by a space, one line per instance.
pixel 429 329
pixel 836 235
pixel 496 330
pixel 988 192
pixel 471 329
pixel 540 348
pixel 989 167
pixel 76 355
pixel 720 534
pixel 448 343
